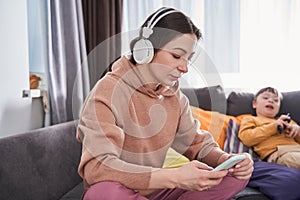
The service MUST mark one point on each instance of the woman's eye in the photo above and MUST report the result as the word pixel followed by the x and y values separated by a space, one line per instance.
pixel 176 56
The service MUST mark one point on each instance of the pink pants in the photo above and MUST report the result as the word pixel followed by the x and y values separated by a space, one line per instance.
pixel 116 191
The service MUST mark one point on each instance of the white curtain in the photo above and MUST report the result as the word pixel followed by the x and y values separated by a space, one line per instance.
pixel 222 34
pixel 270 43
pixel 68 80
pixel 270 32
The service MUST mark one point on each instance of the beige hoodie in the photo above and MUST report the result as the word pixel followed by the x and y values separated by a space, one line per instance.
pixel 127 126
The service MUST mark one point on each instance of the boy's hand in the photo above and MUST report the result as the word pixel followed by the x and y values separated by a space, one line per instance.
pixel 282 122
pixel 293 130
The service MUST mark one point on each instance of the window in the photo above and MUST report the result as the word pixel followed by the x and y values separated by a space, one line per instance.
pixel 36 11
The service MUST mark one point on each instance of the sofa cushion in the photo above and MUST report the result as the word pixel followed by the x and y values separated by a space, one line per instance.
pixel 75 193
pixel 40 164
pixel 250 194
pixel 290 104
pixel 208 98
pixel 239 103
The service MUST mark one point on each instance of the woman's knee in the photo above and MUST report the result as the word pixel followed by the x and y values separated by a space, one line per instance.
pixel 232 185
pixel 110 191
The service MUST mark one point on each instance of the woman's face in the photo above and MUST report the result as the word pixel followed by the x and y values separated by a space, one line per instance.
pixel 171 62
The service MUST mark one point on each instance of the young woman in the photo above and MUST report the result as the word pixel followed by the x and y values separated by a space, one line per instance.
pixel 136 112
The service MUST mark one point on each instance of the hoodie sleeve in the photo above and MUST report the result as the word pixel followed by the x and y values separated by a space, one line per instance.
pixel 193 142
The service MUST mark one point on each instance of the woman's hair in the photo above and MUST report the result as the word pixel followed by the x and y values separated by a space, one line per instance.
pixel 167 28
pixel 268 89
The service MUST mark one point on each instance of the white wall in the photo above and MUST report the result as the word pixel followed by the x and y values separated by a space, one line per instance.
pixel 17 114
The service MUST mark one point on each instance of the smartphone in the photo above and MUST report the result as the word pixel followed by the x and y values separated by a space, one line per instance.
pixel 280 128
pixel 230 162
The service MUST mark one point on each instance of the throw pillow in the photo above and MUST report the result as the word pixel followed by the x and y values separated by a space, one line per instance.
pixel 174 159
pixel 233 144
pixel 213 122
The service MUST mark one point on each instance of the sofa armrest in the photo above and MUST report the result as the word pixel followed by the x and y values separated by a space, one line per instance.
pixel 40 164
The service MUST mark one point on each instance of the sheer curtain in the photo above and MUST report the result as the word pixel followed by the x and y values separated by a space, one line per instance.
pixel 222 34
pixel 68 80
pixel 270 43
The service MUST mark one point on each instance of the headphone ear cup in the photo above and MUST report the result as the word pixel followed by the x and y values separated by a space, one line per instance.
pixel 143 51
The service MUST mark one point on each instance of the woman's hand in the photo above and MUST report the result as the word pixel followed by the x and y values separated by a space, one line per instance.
pixel 198 176
pixel 244 169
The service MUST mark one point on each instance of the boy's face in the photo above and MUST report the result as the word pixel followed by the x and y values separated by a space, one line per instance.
pixel 267 104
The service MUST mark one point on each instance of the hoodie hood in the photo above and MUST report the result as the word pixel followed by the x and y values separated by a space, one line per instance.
pixel 123 69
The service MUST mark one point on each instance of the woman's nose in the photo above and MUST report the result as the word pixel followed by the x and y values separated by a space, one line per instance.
pixel 183 67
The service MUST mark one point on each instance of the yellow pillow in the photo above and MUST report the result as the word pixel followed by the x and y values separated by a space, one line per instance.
pixel 174 159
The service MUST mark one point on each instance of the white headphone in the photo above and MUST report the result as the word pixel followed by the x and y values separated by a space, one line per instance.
pixel 143 50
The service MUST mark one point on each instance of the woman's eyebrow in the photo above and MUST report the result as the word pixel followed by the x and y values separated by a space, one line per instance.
pixel 181 49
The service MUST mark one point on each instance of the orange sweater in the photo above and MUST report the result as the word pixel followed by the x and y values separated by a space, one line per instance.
pixel 261 134
pixel 127 126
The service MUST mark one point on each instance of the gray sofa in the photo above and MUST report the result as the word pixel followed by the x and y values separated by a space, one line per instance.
pixel 42 164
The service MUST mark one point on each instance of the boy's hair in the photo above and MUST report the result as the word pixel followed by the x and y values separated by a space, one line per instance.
pixel 268 89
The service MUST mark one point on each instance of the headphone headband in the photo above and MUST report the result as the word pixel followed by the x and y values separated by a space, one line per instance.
pixel 155 15
pixel 147 30
pixel 160 17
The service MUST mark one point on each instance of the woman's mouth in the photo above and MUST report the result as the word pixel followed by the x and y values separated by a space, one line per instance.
pixel 174 77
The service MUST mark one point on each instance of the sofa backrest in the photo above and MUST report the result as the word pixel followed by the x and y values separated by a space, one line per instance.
pixel 40 164
pixel 207 98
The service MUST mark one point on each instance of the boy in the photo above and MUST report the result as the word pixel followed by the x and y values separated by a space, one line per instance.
pixel 274 139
